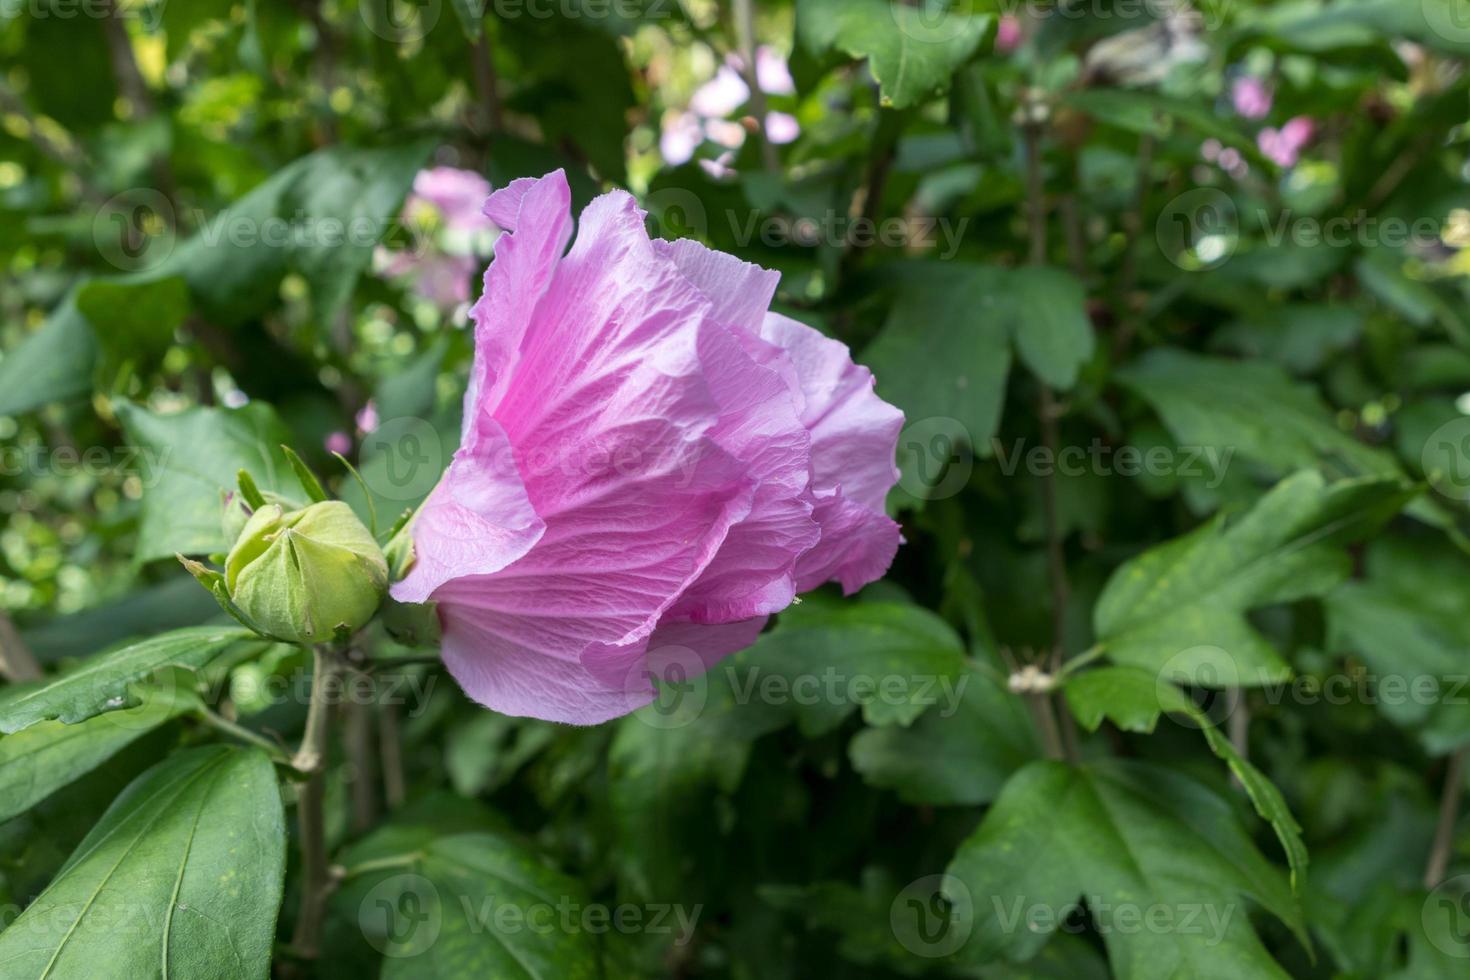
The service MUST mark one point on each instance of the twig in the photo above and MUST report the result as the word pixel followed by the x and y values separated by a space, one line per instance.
pixel 1035 191
pixel 311 758
pixel 487 84
pixel 217 721
pixel 134 88
pixel 745 40
pixel 17 663
pixel 1133 231
pixel 1449 815
pixel 1056 559
pixel 390 743
pixel 358 738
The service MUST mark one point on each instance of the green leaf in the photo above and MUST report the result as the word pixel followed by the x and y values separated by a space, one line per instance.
pixel 194 457
pixel 182 877
pixel 475 905
pixel 167 605
pixel 945 349
pixel 955 754
pixel 39 760
pixel 1129 838
pixel 1052 330
pixel 101 684
pixel 320 216
pixel 1248 408
pixel 1180 607
pixel 860 647
pixel 1264 796
pixel 1130 697
pixel 1300 337
pixel 134 318
pixel 1133 699
pixel 912 51
pixel 1406 619
pixel 53 364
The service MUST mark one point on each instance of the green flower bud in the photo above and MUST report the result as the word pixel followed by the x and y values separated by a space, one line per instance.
pixel 308 574
pixel 235 513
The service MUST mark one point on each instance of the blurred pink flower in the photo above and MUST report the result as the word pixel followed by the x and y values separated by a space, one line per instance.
pixel 720 168
pixel 772 73
pixel 339 443
pixel 1210 149
pixel 1251 97
pixel 652 464
pixel 367 418
pixel 782 128
pixel 1008 33
pixel 444 278
pixel 1284 146
pixel 721 95
pixel 681 136
pixel 725 132
pixel 458 195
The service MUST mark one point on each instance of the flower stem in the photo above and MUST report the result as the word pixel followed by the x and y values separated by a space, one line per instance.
pixel 311 759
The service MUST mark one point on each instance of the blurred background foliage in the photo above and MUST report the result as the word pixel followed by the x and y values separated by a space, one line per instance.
pixel 1233 235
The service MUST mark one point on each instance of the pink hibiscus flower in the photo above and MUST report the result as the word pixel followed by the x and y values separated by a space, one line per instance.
pixel 653 463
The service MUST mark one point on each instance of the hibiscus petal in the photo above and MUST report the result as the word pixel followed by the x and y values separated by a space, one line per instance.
pixel 854 432
pixel 854 440
pixel 476 521
pixel 857 546
pixel 537 217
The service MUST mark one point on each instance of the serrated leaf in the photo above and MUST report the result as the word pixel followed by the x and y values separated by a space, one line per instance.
pixel 101 684
pixel 912 51
pixel 1251 409
pixel 181 878
pixel 1181 606
pixel 861 646
pixel 1129 837
pixel 1130 697
pixel 194 456
pixel 1133 699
